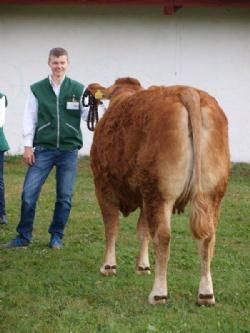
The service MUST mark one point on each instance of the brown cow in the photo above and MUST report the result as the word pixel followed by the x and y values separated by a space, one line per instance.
pixel 157 150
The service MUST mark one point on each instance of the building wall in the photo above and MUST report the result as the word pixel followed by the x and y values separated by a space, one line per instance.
pixel 205 48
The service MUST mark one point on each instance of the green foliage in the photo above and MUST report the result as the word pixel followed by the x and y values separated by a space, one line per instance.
pixel 46 291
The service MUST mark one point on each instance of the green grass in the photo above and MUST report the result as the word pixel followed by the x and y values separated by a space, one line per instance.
pixel 46 291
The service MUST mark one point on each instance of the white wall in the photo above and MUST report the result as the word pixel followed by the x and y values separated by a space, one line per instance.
pixel 208 48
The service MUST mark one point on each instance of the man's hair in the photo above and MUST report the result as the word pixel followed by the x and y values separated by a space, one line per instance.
pixel 58 52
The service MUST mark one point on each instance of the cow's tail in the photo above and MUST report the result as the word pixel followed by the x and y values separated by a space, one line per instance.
pixel 199 221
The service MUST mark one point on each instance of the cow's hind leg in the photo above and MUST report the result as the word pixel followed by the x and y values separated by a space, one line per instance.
pixel 110 214
pixel 206 293
pixel 142 265
pixel 206 250
pixel 158 215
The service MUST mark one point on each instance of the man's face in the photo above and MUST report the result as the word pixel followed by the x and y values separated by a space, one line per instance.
pixel 58 65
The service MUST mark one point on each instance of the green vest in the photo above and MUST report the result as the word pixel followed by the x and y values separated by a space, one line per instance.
pixel 3 142
pixel 58 119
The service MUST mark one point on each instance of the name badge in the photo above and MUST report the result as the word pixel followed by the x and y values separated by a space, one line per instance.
pixel 72 106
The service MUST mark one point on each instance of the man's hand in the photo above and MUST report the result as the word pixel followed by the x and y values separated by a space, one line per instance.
pixel 28 156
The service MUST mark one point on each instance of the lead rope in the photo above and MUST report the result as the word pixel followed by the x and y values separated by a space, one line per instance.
pixel 92 102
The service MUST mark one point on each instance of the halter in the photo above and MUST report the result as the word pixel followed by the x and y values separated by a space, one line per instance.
pixel 92 102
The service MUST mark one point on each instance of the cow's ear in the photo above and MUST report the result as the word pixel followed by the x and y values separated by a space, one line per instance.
pixel 98 94
pixel 95 87
pixel 102 93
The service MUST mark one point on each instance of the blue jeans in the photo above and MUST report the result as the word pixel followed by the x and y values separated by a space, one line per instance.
pixel 2 187
pixel 66 166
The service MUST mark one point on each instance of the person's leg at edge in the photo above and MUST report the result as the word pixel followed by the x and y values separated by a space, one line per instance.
pixel 3 218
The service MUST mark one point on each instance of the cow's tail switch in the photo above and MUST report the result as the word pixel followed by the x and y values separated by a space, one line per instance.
pixel 199 221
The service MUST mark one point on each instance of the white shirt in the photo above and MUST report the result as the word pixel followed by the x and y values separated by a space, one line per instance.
pixel 30 114
pixel 2 111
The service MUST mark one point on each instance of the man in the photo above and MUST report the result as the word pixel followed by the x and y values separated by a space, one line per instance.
pixel 3 148
pixel 52 138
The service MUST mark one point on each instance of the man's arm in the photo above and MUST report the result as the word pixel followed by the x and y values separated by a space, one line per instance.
pixel 29 126
pixel 2 110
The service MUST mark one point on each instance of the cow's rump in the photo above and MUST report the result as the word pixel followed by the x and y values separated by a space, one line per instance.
pixel 148 136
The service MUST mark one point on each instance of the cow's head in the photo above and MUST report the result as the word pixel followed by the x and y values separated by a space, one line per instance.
pixel 122 84
pixel 97 90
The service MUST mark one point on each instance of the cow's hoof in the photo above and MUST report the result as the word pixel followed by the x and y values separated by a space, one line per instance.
pixel 206 300
pixel 108 270
pixel 154 300
pixel 143 270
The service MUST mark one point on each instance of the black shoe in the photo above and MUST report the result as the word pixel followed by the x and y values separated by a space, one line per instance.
pixel 3 219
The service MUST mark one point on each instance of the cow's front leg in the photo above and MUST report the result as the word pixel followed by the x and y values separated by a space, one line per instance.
pixel 110 214
pixel 111 227
pixel 110 219
pixel 142 264
pixel 158 218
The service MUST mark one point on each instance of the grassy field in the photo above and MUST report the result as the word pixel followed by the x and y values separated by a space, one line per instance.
pixel 46 291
